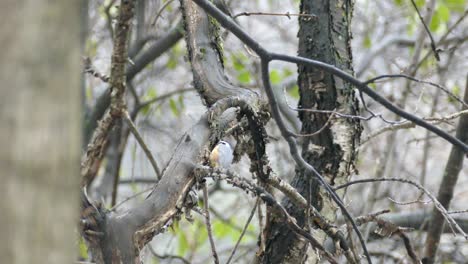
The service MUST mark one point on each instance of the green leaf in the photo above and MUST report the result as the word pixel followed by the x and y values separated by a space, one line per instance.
pixel 398 2
pixel 173 106
pixel 150 93
pixel 244 77
pixel 456 92
pixel 294 92
pixel 89 94
pixel 239 61
pixel 134 187
pixel 181 101
pixel 444 13
pixel 456 5
pixel 171 63
pixel 91 48
pixel 201 233
pixel 219 229
pixel 275 77
pixel 367 42
pixel 83 249
pixel 420 3
pixel 287 72
pixel 441 15
pixel 183 243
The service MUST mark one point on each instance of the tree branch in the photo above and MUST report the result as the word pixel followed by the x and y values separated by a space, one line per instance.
pixel 142 144
pixel 92 158
pixel 446 189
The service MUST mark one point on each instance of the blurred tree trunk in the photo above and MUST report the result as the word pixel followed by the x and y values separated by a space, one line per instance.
pixel 40 130
pixel 332 152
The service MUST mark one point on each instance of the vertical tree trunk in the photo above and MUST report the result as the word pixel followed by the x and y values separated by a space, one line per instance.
pixel 332 152
pixel 40 130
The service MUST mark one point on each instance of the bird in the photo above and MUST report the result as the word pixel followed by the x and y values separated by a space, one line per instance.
pixel 221 156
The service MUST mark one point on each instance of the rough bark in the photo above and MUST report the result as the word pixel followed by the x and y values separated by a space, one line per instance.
pixel 332 152
pixel 40 130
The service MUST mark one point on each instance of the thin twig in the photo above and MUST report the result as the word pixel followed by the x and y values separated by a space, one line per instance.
pixel 433 45
pixel 163 97
pixel 229 222
pixel 445 90
pixel 249 186
pixel 139 180
pixel 287 14
pixel 444 37
pixel 409 248
pixel 458 212
pixel 158 14
pixel 208 224
pixel 252 213
pixel 166 256
pixel 131 197
pixel 452 223
pixel 318 131
pixel 89 69
pixel 407 124
pixel 142 144
pixel 261 226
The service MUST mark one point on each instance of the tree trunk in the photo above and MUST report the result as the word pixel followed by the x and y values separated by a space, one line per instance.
pixel 40 130
pixel 332 152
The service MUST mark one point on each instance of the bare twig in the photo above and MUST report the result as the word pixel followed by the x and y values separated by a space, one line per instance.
pixel 208 224
pixel 166 256
pixel 252 213
pixel 406 124
pixel 409 248
pixel 418 200
pixel 164 97
pixel 438 206
pixel 131 197
pixel 229 222
pixel 433 45
pixel 458 212
pixel 158 14
pixel 142 144
pixel 287 14
pixel 278 209
pixel 88 68
pixel 444 37
pixel 318 131
pixel 445 90
pixel 387 229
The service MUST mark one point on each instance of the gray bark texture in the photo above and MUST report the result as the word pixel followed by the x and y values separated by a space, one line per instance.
pixel 40 130
pixel 332 152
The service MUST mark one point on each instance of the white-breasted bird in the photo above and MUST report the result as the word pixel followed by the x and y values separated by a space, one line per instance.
pixel 221 156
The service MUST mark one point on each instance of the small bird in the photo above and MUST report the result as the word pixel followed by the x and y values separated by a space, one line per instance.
pixel 221 156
